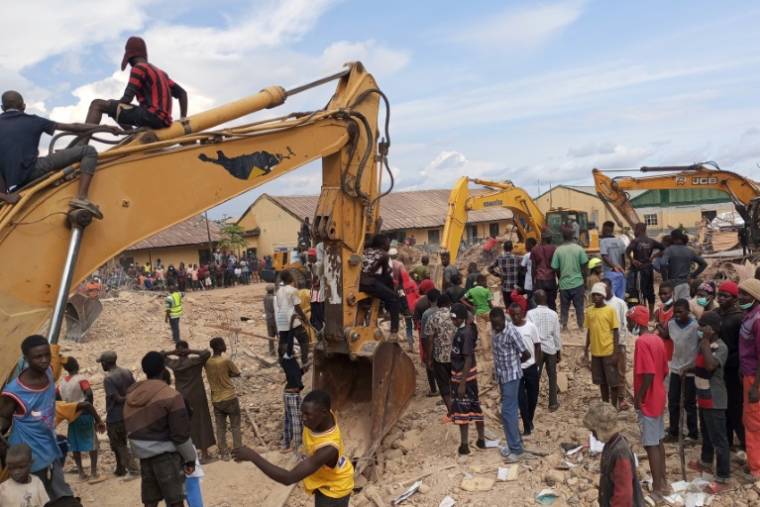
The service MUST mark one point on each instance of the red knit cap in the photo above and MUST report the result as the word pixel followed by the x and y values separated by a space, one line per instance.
pixel 135 47
pixel 639 314
pixel 729 287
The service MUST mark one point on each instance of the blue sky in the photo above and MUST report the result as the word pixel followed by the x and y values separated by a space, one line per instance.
pixel 535 92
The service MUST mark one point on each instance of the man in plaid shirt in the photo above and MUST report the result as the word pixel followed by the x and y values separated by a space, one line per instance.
pixel 506 266
pixel 509 352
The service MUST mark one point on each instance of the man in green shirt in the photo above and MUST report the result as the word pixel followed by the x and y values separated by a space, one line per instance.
pixel 569 261
pixel 421 271
pixel 479 297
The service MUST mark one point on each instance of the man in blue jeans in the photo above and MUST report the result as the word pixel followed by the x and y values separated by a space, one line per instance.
pixel 569 262
pixel 509 352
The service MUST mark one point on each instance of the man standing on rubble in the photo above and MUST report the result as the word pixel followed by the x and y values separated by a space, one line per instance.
pixel 569 262
pixel 19 161
pixel 506 266
pixel 151 86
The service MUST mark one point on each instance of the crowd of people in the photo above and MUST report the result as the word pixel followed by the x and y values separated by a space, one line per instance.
pixel 696 351
pixel 224 270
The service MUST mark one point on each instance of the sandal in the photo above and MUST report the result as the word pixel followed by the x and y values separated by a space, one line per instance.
pixel 623 406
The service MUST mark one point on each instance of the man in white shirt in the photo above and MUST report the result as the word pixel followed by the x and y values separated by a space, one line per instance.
pixel 621 308
pixel 528 395
pixel 527 264
pixel 546 321
pixel 289 317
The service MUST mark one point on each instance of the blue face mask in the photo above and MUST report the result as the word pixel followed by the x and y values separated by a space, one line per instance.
pixel 747 306
pixel 702 301
pixel 700 334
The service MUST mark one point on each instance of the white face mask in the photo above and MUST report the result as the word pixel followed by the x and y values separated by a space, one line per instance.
pixel 669 302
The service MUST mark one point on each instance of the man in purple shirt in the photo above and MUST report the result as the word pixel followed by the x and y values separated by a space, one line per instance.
pixel 749 357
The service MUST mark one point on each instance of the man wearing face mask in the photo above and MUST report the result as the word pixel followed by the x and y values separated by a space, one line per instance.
pixel 704 299
pixel 730 324
pixel 749 362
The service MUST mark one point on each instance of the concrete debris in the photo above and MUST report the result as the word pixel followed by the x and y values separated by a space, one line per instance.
pixel 477 484
pixel 447 502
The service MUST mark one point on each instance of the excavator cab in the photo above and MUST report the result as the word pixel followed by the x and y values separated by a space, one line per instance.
pixel 588 236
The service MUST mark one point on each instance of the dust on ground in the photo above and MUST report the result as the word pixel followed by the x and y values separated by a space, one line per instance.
pixel 420 446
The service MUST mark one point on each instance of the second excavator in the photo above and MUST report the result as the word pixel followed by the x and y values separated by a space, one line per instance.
pixel 370 378
pixel 743 192
pixel 527 218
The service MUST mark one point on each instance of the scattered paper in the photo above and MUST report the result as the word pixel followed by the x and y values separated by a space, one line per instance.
pixel 447 502
pixel 491 444
pixel 574 450
pixel 695 499
pixel 674 499
pixel 679 486
pixel 546 496
pixel 406 494
pixel 594 445
pixel 507 473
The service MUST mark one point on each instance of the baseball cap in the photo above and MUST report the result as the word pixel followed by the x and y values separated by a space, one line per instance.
pixel 135 46
pixel 596 261
pixel 108 356
pixel 599 288
pixel 392 252
pixel 639 314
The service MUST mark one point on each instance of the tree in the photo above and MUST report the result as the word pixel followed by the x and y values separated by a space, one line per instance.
pixel 232 238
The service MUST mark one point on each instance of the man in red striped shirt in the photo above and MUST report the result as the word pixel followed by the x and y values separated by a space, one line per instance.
pixel 152 87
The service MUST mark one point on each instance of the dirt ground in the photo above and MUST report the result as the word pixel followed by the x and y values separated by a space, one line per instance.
pixel 420 447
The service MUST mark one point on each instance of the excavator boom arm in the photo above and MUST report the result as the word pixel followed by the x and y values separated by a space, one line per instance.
pixel 527 217
pixel 612 191
pixel 145 188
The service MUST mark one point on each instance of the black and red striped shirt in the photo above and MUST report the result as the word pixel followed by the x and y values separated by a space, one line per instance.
pixel 154 90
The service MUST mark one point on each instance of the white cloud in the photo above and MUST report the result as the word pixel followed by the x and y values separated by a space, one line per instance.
pixel 524 26
pixel 49 27
pixel 217 65
pixel 448 166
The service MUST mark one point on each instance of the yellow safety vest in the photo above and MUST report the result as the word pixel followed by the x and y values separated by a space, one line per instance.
pixel 335 482
pixel 175 311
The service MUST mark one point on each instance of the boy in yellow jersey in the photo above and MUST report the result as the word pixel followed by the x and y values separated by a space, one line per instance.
pixel 326 472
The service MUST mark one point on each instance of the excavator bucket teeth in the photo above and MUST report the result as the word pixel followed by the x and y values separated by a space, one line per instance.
pixel 369 393
pixel 81 312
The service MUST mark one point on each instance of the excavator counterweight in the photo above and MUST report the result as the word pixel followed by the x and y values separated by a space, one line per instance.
pixel 369 377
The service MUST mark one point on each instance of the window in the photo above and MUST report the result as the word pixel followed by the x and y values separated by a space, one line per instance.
pixel 472 233
pixel 493 230
pixel 650 219
pixel 434 236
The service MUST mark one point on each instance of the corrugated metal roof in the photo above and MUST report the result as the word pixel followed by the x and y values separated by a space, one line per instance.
pixel 190 232
pixel 416 209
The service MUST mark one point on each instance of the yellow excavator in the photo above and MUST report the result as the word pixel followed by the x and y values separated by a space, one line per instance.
pixel 528 219
pixel 743 192
pixel 46 248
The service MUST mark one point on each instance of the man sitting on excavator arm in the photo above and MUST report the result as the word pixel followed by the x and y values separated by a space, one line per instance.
pixel 19 161
pixel 152 87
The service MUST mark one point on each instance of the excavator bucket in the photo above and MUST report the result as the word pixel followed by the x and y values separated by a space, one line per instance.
pixel 369 393
pixel 81 312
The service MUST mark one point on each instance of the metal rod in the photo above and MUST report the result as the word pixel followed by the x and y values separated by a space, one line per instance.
pixel 318 82
pixel 693 167
pixel 63 290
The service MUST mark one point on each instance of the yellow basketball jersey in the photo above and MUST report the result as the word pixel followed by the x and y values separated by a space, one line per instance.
pixel 335 482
